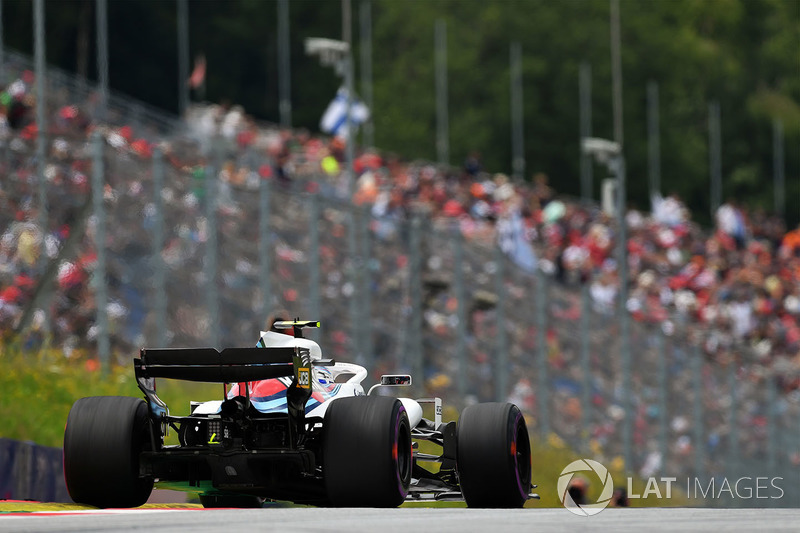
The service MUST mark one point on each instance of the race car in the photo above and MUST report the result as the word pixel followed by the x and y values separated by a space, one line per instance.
pixel 292 426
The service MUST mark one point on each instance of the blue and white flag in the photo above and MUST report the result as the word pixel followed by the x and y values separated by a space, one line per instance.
pixel 512 240
pixel 334 120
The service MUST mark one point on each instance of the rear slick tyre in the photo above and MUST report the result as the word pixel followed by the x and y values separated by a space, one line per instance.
pixel 367 456
pixel 102 442
pixel 494 456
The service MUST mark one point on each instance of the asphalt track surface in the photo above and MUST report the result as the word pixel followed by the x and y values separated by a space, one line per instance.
pixel 439 520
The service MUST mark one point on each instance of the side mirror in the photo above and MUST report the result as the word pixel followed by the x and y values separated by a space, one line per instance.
pixel 395 380
pixel 392 380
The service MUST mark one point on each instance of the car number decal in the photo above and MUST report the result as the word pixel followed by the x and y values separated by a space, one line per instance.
pixel 304 378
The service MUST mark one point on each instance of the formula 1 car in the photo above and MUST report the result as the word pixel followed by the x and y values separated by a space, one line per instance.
pixel 292 427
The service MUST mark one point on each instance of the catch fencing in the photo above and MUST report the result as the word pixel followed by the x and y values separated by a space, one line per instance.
pixel 183 249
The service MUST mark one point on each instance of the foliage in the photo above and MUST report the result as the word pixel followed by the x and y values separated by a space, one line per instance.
pixel 39 389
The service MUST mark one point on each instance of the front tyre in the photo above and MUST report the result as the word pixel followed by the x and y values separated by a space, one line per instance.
pixel 102 442
pixel 494 456
pixel 366 452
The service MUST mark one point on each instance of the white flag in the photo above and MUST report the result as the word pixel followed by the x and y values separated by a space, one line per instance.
pixel 334 120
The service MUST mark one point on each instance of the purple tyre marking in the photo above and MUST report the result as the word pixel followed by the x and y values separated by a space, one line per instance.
pixel 522 489
pixel 400 486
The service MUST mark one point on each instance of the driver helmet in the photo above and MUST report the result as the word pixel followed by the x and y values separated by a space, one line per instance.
pixel 323 376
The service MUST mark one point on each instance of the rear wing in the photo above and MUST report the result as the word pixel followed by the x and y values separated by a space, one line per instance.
pixel 231 365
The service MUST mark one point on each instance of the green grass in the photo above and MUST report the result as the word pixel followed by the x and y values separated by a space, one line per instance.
pixel 38 389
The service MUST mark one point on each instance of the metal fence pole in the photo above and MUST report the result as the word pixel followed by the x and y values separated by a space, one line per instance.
pixel 653 139
pixel 714 156
pixel 622 259
pixel 696 368
pixel 772 434
pixel 99 277
pixel 461 310
pixel 517 114
pixel 41 126
pixel 159 281
pixel 733 460
pixel 616 71
pixel 352 279
pixel 663 383
pixel 265 247
pixel 365 39
pixel 212 293
pixel 585 103
pixel 101 20
pixel 284 65
pixel 622 313
pixel 501 370
pixel 414 338
pixel 347 36
pixel 542 393
pixel 442 118
pixel 183 57
pixel 586 370
pixel 313 259
pixel 366 287
pixel 778 167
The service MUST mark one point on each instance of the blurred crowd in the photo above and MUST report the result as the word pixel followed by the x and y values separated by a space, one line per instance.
pixel 733 290
pixel 736 284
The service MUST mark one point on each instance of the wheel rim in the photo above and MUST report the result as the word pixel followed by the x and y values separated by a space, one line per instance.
pixel 402 452
pixel 521 454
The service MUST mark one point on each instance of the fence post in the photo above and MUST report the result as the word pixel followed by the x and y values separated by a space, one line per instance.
pixel 41 141
pixel 313 258
pixel 585 114
pixel 414 337
pixel 778 167
pixel 99 277
pixel 772 434
pixel 212 300
pixel 699 441
pixel 353 260
pixel 159 282
pixel 714 156
pixel 501 358
pixel 264 246
pixel 101 24
pixel 517 114
pixel 586 392
pixel 653 140
pixel 663 434
pixel 461 310
pixel 734 461
pixel 542 393
pixel 366 286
